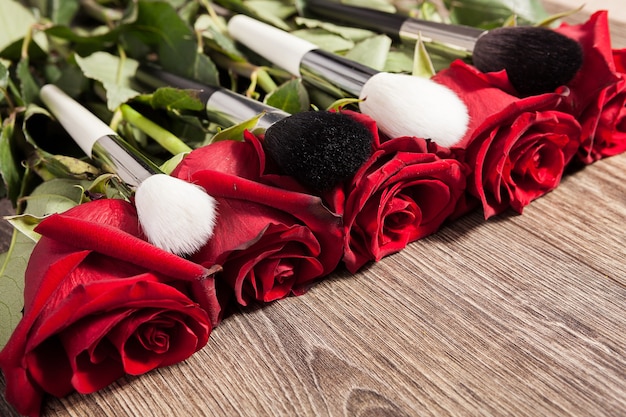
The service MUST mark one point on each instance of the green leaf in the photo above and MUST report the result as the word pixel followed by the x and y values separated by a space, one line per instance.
pixel 511 21
pixel 344 102
pixel 353 34
pixel 62 11
pixel 399 61
pixel 16 21
pixel 114 73
pixel 169 165
pixel 371 52
pixel 324 39
pixel 555 18
pixel 10 169
pixel 85 41
pixel 32 120
pixel 213 31
pixel 291 97
pixel 107 185
pixel 171 98
pixel 422 65
pixel 491 13
pixel 71 79
pixel 429 11
pixel 236 132
pixel 187 10
pixel 4 76
pixel 62 166
pixel 28 86
pixel 193 127
pixel 12 267
pixel 158 26
pixel 204 70
pixel 25 224
pixel 273 12
pixel 54 196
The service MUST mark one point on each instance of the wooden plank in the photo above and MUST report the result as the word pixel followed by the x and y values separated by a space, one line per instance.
pixel 519 315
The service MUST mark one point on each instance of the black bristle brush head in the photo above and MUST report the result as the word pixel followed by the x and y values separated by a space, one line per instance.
pixel 318 148
pixel 537 59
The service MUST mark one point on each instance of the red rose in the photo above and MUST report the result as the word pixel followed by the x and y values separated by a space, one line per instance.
pixel 402 193
pixel 517 148
pixel 619 57
pixel 270 241
pixel 598 92
pixel 99 303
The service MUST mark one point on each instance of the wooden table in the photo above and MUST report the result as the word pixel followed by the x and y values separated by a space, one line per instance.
pixel 518 315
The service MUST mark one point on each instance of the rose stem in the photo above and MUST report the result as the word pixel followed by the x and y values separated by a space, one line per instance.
pixel 163 137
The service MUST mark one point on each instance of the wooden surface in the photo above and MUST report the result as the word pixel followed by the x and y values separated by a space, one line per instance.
pixel 519 315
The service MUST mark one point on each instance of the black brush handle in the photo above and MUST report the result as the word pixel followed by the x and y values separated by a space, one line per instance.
pixel 223 106
pixel 396 26
pixel 375 20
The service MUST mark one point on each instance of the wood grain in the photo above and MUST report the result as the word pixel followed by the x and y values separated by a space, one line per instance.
pixel 516 316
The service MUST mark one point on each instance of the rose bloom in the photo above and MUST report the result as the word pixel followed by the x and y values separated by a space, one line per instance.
pixel 598 91
pixel 404 192
pixel 100 302
pixel 517 148
pixel 271 240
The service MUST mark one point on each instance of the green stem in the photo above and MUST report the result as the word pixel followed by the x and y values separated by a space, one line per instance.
pixel 248 70
pixel 101 13
pixel 4 93
pixel 265 81
pixel 162 136
pixel 26 43
pixel 122 55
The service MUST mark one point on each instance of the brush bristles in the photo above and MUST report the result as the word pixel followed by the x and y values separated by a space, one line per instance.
pixel 406 105
pixel 537 59
pixel 175 215
pixel 318 148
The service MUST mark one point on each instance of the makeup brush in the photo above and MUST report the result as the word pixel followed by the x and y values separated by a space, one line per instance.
pixel 537 59
pixel 175 215
pixel 401 104
pixel 317 148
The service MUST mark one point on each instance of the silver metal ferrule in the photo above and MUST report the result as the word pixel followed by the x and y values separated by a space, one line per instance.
pixel 453 36
pixel 228 108
pixel 320 68
pixel 114 155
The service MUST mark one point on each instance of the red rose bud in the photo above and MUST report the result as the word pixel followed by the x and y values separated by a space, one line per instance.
pixel 91 316
pixel 598 92
pixel 516 148
pixel 402 193
pixel 271 241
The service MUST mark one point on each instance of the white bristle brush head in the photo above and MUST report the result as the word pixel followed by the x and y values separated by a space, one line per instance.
pixel 407 105
pixel 175 215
